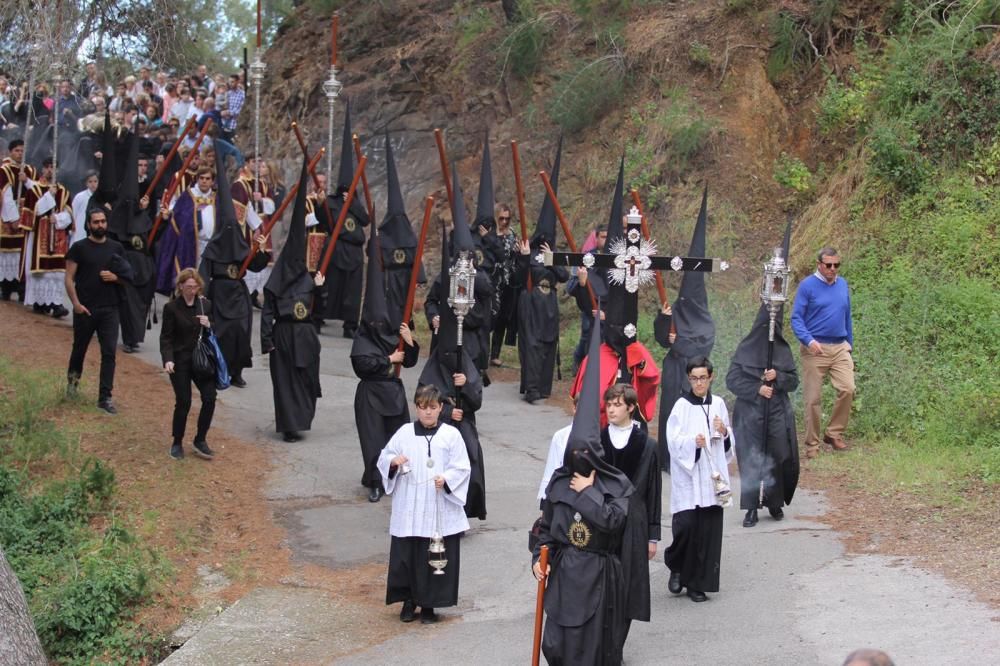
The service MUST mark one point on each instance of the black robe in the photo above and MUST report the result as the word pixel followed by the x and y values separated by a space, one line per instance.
pixel 380 404
pixel 440 374
pixel 585 595
pixel 345 275
pixel 774 459
pixel 288 335
pixel 232 313
pixel 640 463
pixel 538 326
pixel 475 327
pixel 138 295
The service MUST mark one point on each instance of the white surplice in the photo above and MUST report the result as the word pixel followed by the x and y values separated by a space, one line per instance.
pixel 417 505
pixel 691 482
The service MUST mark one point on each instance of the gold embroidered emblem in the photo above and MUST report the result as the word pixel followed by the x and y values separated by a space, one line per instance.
pixel 479 257
pixel 399 256
pixel 350 224
pixel 232 271
pixel 137 243
pixel 300 311
pixel 579 533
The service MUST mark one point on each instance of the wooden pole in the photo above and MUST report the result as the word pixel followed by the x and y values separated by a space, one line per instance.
pixel 565 227
pixel 333 45
pixel 170 156
pixel 443 157
pixel 269 225
pixel 415 272
pixel 343 216
pixel 536 644
pixel 258 24
pixel 364 182
pixel 168 195
pixel 520 197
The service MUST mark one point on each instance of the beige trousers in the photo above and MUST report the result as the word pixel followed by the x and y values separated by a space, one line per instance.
pixel 837 362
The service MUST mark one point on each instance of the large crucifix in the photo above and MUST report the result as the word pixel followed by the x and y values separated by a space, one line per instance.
pixel 632 261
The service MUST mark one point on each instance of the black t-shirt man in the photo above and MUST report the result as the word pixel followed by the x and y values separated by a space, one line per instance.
pixel 91 258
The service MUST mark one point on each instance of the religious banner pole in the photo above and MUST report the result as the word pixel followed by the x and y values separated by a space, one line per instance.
pixel 343 216
pixel 169 158
pixel 169 194
pixel 266 228
pixel 257 69
pixel 536 643
pixel 443 157
pixel 364 181
pixel 565 227
pixel 520 196
pixel 411 290
pixel 331 89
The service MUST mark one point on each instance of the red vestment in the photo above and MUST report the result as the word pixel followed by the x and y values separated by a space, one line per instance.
pixel 645 377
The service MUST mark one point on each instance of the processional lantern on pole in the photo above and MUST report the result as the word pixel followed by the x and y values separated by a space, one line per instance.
pixel 461 291
pixel 257 69
pixel 331 89
pixel 774 288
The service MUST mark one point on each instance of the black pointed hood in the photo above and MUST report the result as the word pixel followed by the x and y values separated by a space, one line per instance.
pixel 290 266
pixel 695 327
pixel 396 230
pixel 346 173
pixel 376 324
pixel 584 439
pixel 615 227
pixel 127 218
pixel 461 236
pixel 486 201
pixel 545 228
pixel 229 244
pixel 107 184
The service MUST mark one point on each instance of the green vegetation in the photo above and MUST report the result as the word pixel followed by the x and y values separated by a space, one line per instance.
pixel 700 55
pixel 83 570
pixel 523 46
pixel 588 91
pixel 791 172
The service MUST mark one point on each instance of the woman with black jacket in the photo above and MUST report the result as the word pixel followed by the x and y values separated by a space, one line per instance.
pixel 183 319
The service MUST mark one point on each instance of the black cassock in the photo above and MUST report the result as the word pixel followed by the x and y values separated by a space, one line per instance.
pixel 289 336
pixel 137 294
pixel 439 374
pixel 232 313
pixel 538 326
pixel 398 263
pixel 344 275
pixel 640 463
pixel 380 404
pixel 585 596
pixel 475 327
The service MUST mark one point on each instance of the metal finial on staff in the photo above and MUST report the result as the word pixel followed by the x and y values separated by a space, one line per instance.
pixel 773 294
pixel 257 69
pixel 331 88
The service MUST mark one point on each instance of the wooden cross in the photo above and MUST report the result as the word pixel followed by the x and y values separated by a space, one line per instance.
pixel 632 262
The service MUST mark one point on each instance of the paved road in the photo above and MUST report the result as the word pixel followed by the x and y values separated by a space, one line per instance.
pixel 789 593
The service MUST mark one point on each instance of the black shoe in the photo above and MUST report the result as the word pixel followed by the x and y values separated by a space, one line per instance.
pixel 531 397
pixel 292 436
pixel 674 584
pixel 106 406
pixel 5 295
pixel 130 349
pixel 58 312
pixel 408 612
pixel 177 452
pixel 696 596
pixel 750 519
pixel 428 616
pixel 238 382
pixel 202 451
pixel 38 308
pixel 777 514
pixel 375 493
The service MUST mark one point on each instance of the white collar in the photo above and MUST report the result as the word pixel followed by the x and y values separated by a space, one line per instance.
pixel 824 280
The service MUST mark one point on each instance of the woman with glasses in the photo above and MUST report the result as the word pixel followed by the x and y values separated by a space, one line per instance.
pixel 183 320
pixel 505 287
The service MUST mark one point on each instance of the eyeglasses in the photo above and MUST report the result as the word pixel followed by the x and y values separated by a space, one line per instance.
pixel 702 380
pixel 504 219
pixel 831 266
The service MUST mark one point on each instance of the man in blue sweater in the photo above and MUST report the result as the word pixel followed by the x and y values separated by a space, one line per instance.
pixel 821 319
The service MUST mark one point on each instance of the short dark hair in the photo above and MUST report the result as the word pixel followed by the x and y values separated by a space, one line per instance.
pixel 700 362
pixel 47 162
pixel 426 394
pixel 600 229
pixel 96 209
pixel 15 143
pixel 827 251
pixel 626 392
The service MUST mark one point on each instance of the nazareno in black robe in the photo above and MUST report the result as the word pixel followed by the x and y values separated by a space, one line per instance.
pixel 640 463
pixel 380 404
pixel 289 336
pixel 438 371
pixel 772 458
pixel 538 325
pixel 232 313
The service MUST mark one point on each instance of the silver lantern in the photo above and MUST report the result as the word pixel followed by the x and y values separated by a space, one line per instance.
pixel 461 293
pixel 774 287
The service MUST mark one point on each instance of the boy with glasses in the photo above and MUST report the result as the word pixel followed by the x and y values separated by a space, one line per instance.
pixel 821 320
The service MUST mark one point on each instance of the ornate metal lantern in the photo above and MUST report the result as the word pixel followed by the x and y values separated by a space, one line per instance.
pixel 331 88
pixel 774 287
pixel 461 293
